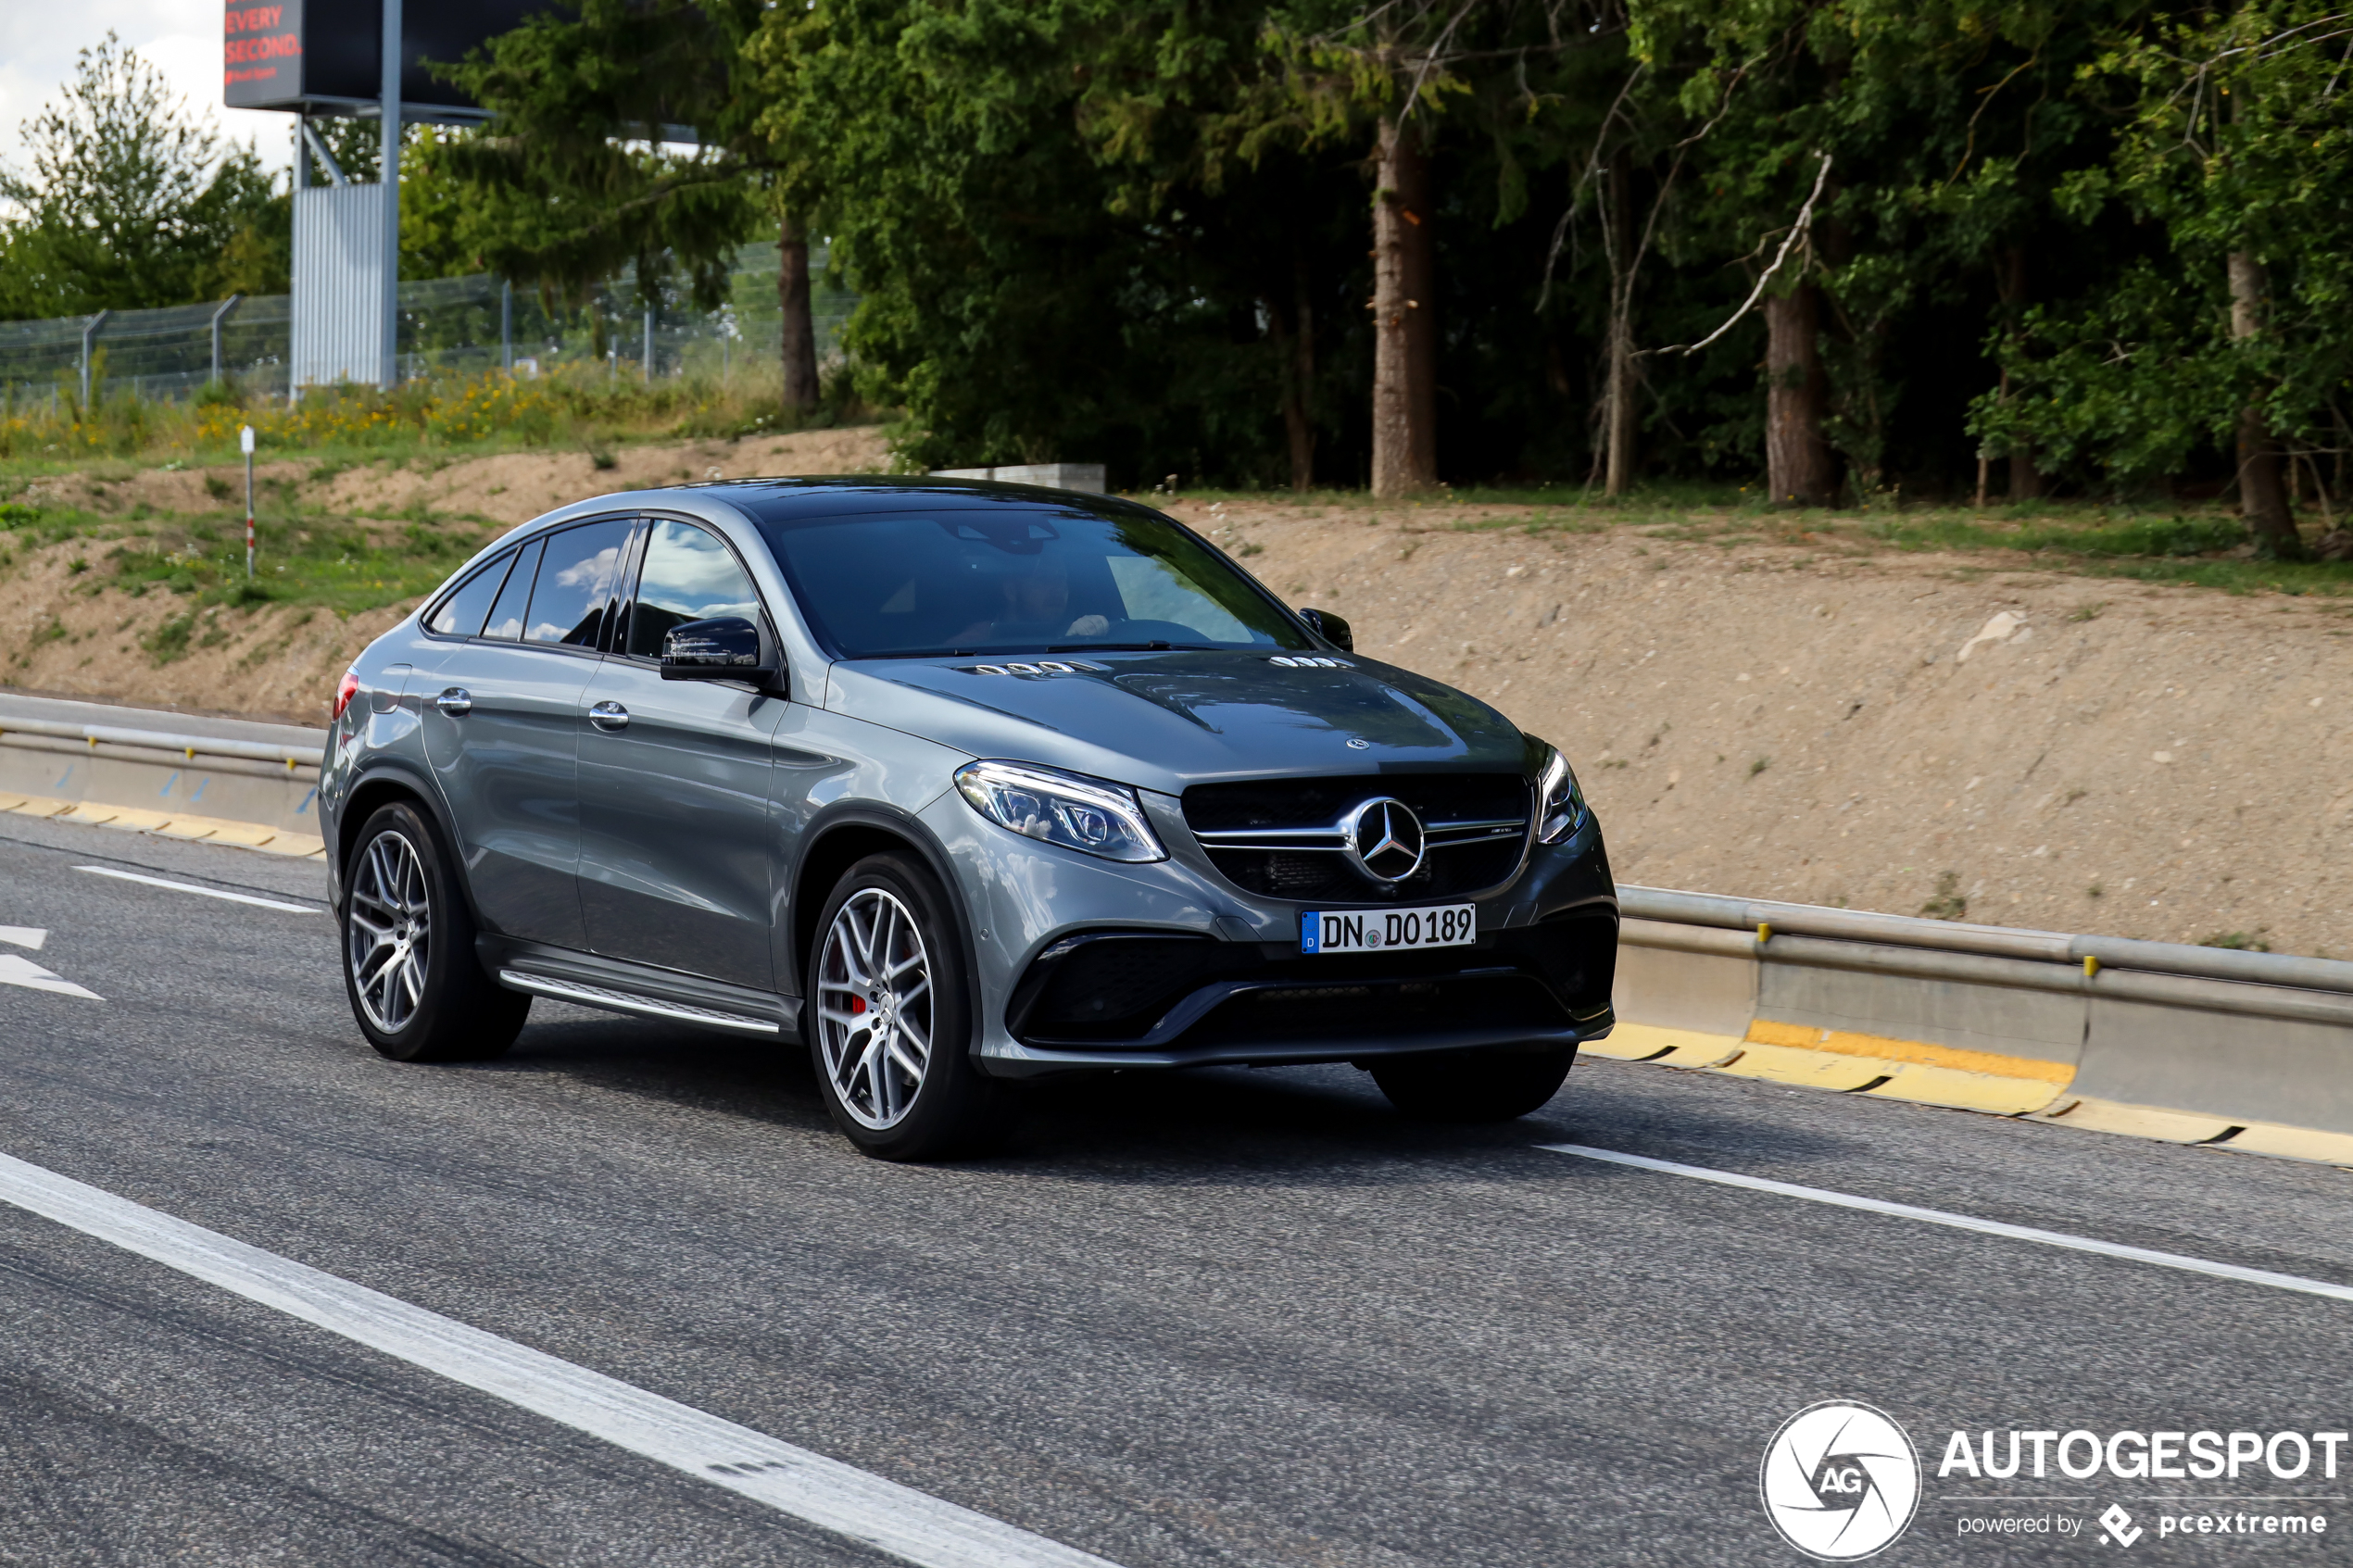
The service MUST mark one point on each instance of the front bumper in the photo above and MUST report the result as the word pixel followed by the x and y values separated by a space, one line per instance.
pixel 1084 965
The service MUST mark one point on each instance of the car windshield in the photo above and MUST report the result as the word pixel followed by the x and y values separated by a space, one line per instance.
pixel 1017 580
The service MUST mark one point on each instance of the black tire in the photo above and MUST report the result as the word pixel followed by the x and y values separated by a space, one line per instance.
pixel 1494 1083
pixel 950 1108
pixel 400 896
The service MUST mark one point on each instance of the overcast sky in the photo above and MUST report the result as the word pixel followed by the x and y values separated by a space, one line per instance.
pixel 182 38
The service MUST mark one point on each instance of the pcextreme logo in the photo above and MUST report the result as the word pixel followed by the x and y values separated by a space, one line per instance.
pixel 1840 1481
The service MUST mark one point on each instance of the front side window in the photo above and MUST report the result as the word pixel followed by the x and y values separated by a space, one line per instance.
pixel 1018 579
pixel 689 575
pixel 462 613
pixel 569 602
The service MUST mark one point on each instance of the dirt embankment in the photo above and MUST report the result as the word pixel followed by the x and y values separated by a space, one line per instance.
pixel 58 634
pixel 1898 732
pixel 1890 731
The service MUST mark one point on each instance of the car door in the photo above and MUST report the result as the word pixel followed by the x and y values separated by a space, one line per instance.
pixel 503 730
pixel 677 860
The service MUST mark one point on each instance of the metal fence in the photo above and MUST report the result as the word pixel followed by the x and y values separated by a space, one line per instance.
pixel 449 326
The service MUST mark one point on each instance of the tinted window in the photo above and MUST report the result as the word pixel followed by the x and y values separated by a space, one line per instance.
pixel 1018 580
pixel 505 616
pixel 576 580
pixel 689 575
pixel 462 613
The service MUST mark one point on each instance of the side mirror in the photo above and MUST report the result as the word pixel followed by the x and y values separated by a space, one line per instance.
pixel 1331 628
pixel 724 649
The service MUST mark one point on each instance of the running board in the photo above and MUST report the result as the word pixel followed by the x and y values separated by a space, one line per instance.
pixel 623 1001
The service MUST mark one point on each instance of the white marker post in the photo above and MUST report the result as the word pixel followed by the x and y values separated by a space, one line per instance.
pixel 244 440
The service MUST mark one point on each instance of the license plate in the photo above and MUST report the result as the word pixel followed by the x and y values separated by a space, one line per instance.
pixel 1377 930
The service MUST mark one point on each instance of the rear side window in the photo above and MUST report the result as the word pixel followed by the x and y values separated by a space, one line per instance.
pixel 570 600
pixel 505 616
pixel 689 575
pixel 462 613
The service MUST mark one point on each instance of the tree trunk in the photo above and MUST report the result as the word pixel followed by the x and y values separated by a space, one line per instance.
pixel 2263 492
pixel 1620 394
pixel 2026 479
pixel 1295 345
pixel 1797 396
pixel 1404 318
pixel 800 328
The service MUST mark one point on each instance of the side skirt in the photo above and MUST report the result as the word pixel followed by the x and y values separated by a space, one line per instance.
pixel 639 990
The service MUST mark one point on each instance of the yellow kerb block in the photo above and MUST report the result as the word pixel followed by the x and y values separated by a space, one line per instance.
pixel 131 819
pixel 293 844
pixel 1919 1070
pixel 2140 1120
pixel 1809 1068
pixel 1669 1047
pixel 252 836
pixel 2295 1143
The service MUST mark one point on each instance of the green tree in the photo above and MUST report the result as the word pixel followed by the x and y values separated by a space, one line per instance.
pixel 130 202
pixel 2234 333
pixel 575 177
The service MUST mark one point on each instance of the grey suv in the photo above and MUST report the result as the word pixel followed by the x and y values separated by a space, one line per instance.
pixel 961 785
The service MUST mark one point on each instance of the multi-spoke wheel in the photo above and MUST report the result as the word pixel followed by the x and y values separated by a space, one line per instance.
pixel 1488 1083
pixel 388 930
pixel 890 1026
pixel 875 1008
pixel 409 962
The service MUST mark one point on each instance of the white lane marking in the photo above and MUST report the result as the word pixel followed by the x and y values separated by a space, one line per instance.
pixel 17 970
pixel 906 1524
pixel 208 892
pixel 1967 1222
pixel 24 936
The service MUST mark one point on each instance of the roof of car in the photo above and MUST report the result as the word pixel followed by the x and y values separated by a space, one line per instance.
pixel 779 500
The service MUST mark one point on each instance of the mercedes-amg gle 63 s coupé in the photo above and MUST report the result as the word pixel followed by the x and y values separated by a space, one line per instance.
pixel 960 784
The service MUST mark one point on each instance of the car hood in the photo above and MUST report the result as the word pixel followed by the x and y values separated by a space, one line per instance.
pixel 1166 719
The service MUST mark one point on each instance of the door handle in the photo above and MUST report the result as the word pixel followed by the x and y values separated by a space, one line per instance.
pixel 456 702
pixel 608 716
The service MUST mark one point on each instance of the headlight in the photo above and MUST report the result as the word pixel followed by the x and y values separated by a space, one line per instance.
pixel 1071 810
pixel 1564 804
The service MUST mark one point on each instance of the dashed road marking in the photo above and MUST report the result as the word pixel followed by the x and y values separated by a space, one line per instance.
pixel 1965 1223
pixel 911 1525
pixel 208 892
pixel 24 936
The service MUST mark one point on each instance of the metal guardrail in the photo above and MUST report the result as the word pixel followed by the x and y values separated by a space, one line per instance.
pixel 2089 953
pixel 190 746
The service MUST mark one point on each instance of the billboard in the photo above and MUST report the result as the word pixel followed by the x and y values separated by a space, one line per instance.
pixel 324 57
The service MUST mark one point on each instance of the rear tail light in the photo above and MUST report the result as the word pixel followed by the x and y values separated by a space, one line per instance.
pixel 345 692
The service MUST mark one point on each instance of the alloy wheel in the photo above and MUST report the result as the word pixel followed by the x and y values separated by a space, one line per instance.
pixel 388 930
pixel 874 1007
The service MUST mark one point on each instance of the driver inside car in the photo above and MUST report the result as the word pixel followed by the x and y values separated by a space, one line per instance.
pixel 1034 605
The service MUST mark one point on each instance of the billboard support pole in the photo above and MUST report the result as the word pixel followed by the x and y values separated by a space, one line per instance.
pixel 388 165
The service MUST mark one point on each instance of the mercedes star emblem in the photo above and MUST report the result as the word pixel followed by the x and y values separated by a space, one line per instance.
pixel 1384 838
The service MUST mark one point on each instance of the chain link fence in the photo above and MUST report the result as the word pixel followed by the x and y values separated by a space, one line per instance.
pixel 448 327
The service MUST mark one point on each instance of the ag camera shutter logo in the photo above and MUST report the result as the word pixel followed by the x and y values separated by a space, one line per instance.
pixel 1840 1481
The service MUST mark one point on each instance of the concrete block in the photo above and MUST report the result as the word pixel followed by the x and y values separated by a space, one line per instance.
pixel 1996 1019
pixel 2237 1067
pixel 1087 477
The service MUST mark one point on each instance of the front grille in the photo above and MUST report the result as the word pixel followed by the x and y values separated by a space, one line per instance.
pixel 1301 803
pixel 1110 988
pixel 1314 870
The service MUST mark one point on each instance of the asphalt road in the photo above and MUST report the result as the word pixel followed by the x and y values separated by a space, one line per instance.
pixel 1224 1318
